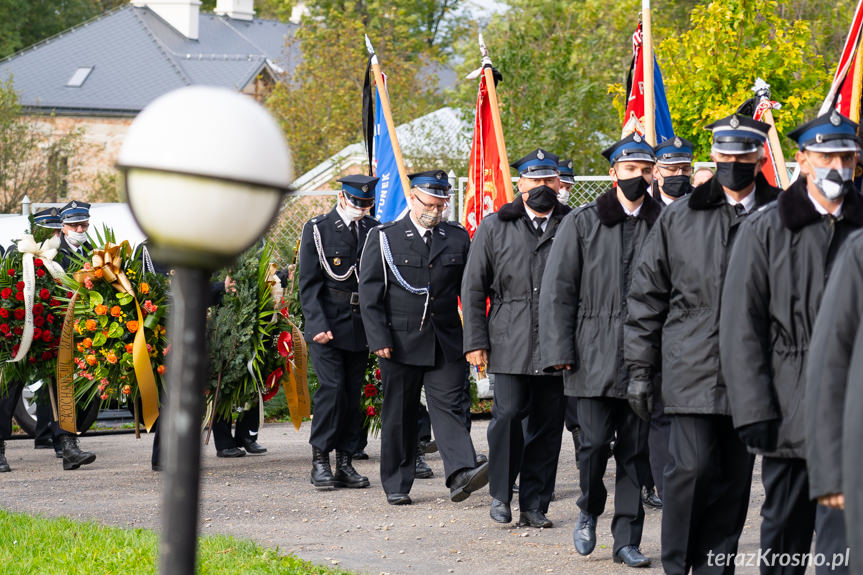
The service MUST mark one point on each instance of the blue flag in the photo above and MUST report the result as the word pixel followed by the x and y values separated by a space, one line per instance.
pixel 664 129
pixel 390 201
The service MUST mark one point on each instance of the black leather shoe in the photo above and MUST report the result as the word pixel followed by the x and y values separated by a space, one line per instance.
pixel 58 453
pixel 422 470
pixel 429 446
pixel 584 535
pixel 650 499
pixel 398 499
pixel 533 519
pixel 73 457
pixel 346 475
pixel 322 473
pixel 500 511
pixel 631 556
pixel 230 452
pixel 467 481
pixel 481 458
pixel 360 455
pixel 156 466
pixel 254 447
pixel 4 465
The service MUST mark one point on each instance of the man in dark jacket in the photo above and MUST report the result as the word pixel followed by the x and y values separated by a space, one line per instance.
pixel 779 265
pixel 672 329
pixel 330 252
pixel 507 259
pixel 409 277
pixel 829 377
pixel 582 307
pixel 852 471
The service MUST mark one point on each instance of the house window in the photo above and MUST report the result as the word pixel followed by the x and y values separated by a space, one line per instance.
pixel 79 77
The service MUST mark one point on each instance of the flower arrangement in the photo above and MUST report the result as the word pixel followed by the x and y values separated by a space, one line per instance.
pixel 29 322
pixel 120 343
pixel 373 396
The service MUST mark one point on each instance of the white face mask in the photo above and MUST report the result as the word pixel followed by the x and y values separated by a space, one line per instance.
pixel 563 196
pixel 354 213
pixel 833 183
pixel 76 239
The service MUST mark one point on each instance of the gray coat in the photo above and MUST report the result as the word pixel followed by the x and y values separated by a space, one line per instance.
pixel 583 300
pixel 505 265
pixel 827 368
pixel 779 266
pixel 672 324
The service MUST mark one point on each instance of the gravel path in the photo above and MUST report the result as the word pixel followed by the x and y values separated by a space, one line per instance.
pixel 269 499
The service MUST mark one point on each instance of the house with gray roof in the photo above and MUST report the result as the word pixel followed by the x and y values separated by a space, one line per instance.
pixel 96 77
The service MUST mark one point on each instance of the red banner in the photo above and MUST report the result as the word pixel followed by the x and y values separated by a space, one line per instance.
pixel 841 90
pixel 485 191
pixel 633 118
pixel 769 169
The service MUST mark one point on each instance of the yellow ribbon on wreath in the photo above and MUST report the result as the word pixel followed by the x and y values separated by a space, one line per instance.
pixel 109 261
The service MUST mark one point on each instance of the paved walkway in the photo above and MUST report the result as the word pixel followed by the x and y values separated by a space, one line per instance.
pixel 269 499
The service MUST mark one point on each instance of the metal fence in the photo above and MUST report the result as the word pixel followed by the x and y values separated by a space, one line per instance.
pixel 302 206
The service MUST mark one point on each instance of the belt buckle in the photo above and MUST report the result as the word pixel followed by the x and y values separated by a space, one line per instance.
pixel 355 298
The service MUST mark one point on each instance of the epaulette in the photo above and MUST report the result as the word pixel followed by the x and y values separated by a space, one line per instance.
pixel 455 224
pixel 387 224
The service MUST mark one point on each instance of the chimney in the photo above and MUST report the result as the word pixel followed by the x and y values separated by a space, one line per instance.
pixel 236 9
pixel 182 15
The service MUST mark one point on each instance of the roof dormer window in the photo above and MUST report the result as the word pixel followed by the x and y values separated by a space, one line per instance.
pixel 79 77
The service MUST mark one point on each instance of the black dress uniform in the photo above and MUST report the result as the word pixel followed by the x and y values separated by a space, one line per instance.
pixel 582 308
pixel 852 471
pixel 776 276
pixel 672 328
pixel 330 253
pixel 506 263
pixel 409 289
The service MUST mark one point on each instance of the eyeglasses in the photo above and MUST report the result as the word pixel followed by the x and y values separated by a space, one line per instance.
pixel 676 169
pixel 435 207
pixel 79 226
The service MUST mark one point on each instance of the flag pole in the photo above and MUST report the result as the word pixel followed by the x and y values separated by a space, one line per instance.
pixel 388 116
pixel 495 118
pixel 647 55
pixel 762 92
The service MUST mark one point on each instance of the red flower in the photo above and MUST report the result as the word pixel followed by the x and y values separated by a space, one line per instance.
pixel 272 385
pixel 4 313
pixel 370 411
pixel 19 296
pixel 11 271
pixel 378 374
pixel 40 273
pixel 44 293
pixel 39 321
pixel 38 263
pixel 19 286
pixel 6 293
pixel 32 359
pixel 46 355
pixel 370 390
pixel 37 333
pixel 50 318
pixel 69 294
pixel 38 309
pixel 285 344
pixel 46 336
pixel 285 313
pixel 54 302
pixel 17 330
pixel 20 313
pixel 4 327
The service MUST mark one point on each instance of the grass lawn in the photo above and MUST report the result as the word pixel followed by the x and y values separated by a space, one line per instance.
pixel 32 544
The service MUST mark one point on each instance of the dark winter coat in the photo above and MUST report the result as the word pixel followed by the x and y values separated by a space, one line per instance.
pixel 672 324
pixel 776 277
pixel 583 300
pixel 505 265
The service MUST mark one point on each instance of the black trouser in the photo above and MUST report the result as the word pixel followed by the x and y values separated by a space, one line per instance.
pixel 532 455
pixel 787 514
pixel 600 419
pixel 444 385
pixel 246 429
pixel 570 418
pixel 44 418
pixel 657 440
pixel 338 422
pixel 831 542
pixel 708 484
pixel 8 401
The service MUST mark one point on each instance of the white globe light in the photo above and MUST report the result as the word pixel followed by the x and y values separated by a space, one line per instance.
pixel 205 169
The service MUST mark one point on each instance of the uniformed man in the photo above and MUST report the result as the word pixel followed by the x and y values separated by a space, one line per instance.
pixel 330 253
pixel 852 472
pixel 776 276
pixel 564 167
pixel 75 217
pixel 582 307
pixel 505 267
pixel 672 327
pixel 409 286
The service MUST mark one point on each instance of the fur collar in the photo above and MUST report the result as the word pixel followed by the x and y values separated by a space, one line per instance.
pixel 797 212
pixel 612 213
pixel 515 210
pixel 710 194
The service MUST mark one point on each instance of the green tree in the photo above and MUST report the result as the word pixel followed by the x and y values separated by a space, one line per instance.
pixel 710 69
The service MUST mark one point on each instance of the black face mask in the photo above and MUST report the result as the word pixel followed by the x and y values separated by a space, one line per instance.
pixel 676 186
pixel 633 188
pixel 541 199
pixel 735 176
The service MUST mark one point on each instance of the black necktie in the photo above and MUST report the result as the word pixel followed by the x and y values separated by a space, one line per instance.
pixel 740 210
pixel 427 238
pixel 353 228
pixel 539 221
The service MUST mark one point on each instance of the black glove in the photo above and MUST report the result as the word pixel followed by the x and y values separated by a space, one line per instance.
pixel 283 277
pixel 760 435
pixel 498 77
pixel 639 394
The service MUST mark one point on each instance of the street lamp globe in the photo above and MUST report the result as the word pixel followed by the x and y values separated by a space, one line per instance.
pixel 204 171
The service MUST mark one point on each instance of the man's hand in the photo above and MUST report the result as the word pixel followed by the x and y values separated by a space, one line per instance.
pixel 230 285
pixel 562 366
pixel 477 357
pixel 760 435
pixel 639 394
pixel 833 500
pixel 384 352
pixel 323 337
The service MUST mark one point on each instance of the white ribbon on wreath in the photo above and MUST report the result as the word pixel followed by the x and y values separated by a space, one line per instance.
pixel 46 251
